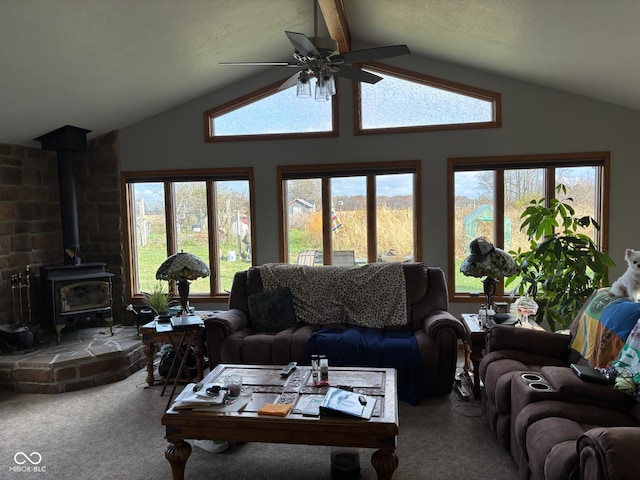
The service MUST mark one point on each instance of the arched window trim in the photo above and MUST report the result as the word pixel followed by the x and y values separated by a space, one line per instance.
pixel 255 96
pixel 440 83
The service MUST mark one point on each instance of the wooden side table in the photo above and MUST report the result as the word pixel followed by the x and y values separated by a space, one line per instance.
pixel 193 335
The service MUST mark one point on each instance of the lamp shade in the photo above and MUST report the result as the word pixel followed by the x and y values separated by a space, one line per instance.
pixel 488 261
pixel 182 266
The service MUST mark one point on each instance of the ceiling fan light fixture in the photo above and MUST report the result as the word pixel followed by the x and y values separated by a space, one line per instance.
pixel 331 86
pixel 303 87
pixel 322 92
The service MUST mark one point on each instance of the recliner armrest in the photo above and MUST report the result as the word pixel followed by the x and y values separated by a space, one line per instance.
pixel 439 319
pixel 219 326
pixel 503 337
pixel 609 452
pixel 570 386
pixel 228 321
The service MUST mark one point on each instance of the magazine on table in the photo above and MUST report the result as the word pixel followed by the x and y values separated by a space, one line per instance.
pixel 343 403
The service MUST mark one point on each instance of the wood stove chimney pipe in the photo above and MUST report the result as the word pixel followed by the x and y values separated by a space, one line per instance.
pixel 66 140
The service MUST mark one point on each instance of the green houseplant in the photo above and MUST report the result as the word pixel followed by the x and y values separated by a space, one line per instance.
pixel 160 299
pixel 563 265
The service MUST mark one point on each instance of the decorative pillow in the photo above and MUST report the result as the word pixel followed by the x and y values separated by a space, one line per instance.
pixel 272 311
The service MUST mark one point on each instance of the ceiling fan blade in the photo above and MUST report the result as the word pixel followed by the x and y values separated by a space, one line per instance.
pixel 302 44
pixel 357 74
pixel 290 82
pixel 276 64
pixel 369 54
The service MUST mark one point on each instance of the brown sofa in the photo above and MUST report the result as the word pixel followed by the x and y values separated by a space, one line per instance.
pixel 231 335
pixel 555 425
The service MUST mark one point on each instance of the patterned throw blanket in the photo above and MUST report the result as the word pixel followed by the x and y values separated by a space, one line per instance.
pixel 604 325
pixel 372 295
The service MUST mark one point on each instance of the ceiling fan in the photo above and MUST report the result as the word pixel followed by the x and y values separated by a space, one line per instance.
pixel 319 58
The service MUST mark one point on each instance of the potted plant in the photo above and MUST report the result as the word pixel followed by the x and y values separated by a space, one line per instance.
pixel 159 299
pixel 563 265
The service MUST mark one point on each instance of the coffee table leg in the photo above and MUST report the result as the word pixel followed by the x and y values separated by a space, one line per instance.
pixel 177 453
pixel 385 463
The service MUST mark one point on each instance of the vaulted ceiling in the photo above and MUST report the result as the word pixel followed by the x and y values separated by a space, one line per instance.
pixel 105 64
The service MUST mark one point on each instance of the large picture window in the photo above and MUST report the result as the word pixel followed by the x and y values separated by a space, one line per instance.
pixel 350 214
pixel 206 213
pixel 487 195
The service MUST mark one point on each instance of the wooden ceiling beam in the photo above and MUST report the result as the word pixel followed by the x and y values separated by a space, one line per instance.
pixel 335 17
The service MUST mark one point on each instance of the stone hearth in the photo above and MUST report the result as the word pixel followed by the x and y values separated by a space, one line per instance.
pixel 85 357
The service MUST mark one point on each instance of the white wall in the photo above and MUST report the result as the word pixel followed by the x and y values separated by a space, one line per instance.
pixel 536 120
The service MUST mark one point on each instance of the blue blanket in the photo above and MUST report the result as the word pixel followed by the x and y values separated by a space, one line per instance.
pixel 373 347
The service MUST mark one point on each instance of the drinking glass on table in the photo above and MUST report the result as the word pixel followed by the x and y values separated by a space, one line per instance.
pixel 525 307
pixel 233 384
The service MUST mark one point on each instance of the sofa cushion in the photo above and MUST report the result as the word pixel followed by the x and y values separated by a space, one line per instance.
pixel 272 311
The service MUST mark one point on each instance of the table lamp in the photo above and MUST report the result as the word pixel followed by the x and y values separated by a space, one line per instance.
pixel 182 268
pixel 490 262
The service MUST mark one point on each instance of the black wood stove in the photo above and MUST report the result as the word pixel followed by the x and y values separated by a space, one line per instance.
pixel 73 291
pixel 77 293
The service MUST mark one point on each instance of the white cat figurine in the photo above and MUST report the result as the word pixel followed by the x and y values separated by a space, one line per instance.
pixel 628 285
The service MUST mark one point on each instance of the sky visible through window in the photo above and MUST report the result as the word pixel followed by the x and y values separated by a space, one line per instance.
pixel 395 102
pixel 392 102
pixel 281 112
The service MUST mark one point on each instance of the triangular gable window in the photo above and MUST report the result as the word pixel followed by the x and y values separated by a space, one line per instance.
pixel 271 113
pixel 406 100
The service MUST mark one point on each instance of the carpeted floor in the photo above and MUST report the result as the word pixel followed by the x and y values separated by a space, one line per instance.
pixel 114 432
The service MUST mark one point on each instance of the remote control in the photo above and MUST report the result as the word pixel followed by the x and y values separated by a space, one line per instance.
pixel 288 369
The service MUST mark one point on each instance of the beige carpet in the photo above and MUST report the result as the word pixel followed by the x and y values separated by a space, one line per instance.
pixel 114 432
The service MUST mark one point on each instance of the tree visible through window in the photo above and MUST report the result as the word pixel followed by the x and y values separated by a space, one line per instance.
pixel 488 195
pixel 209 217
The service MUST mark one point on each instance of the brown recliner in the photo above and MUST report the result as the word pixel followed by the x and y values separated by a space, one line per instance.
pixel 510 352
pixel 549 431
pixel 231 339
pixel 545 415
pixel 551 413
pixel 610 453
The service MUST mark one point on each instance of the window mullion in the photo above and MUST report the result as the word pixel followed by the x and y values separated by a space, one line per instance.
pixel 372 237
pixel 212 226
pixel 498 216
pixel 170 210
pixel 327 246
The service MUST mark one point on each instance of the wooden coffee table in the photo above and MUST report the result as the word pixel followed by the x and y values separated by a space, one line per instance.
pixel 380 432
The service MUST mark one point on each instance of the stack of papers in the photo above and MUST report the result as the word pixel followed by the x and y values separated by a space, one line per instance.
pixel 191 400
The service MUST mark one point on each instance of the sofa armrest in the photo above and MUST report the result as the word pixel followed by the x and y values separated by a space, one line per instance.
pixel 504 337
pixel 439 319
pixel 610 453
pixel 219 326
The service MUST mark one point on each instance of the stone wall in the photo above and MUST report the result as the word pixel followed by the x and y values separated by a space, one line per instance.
pixel 30 227
pixel 29 219
pixel 100 213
